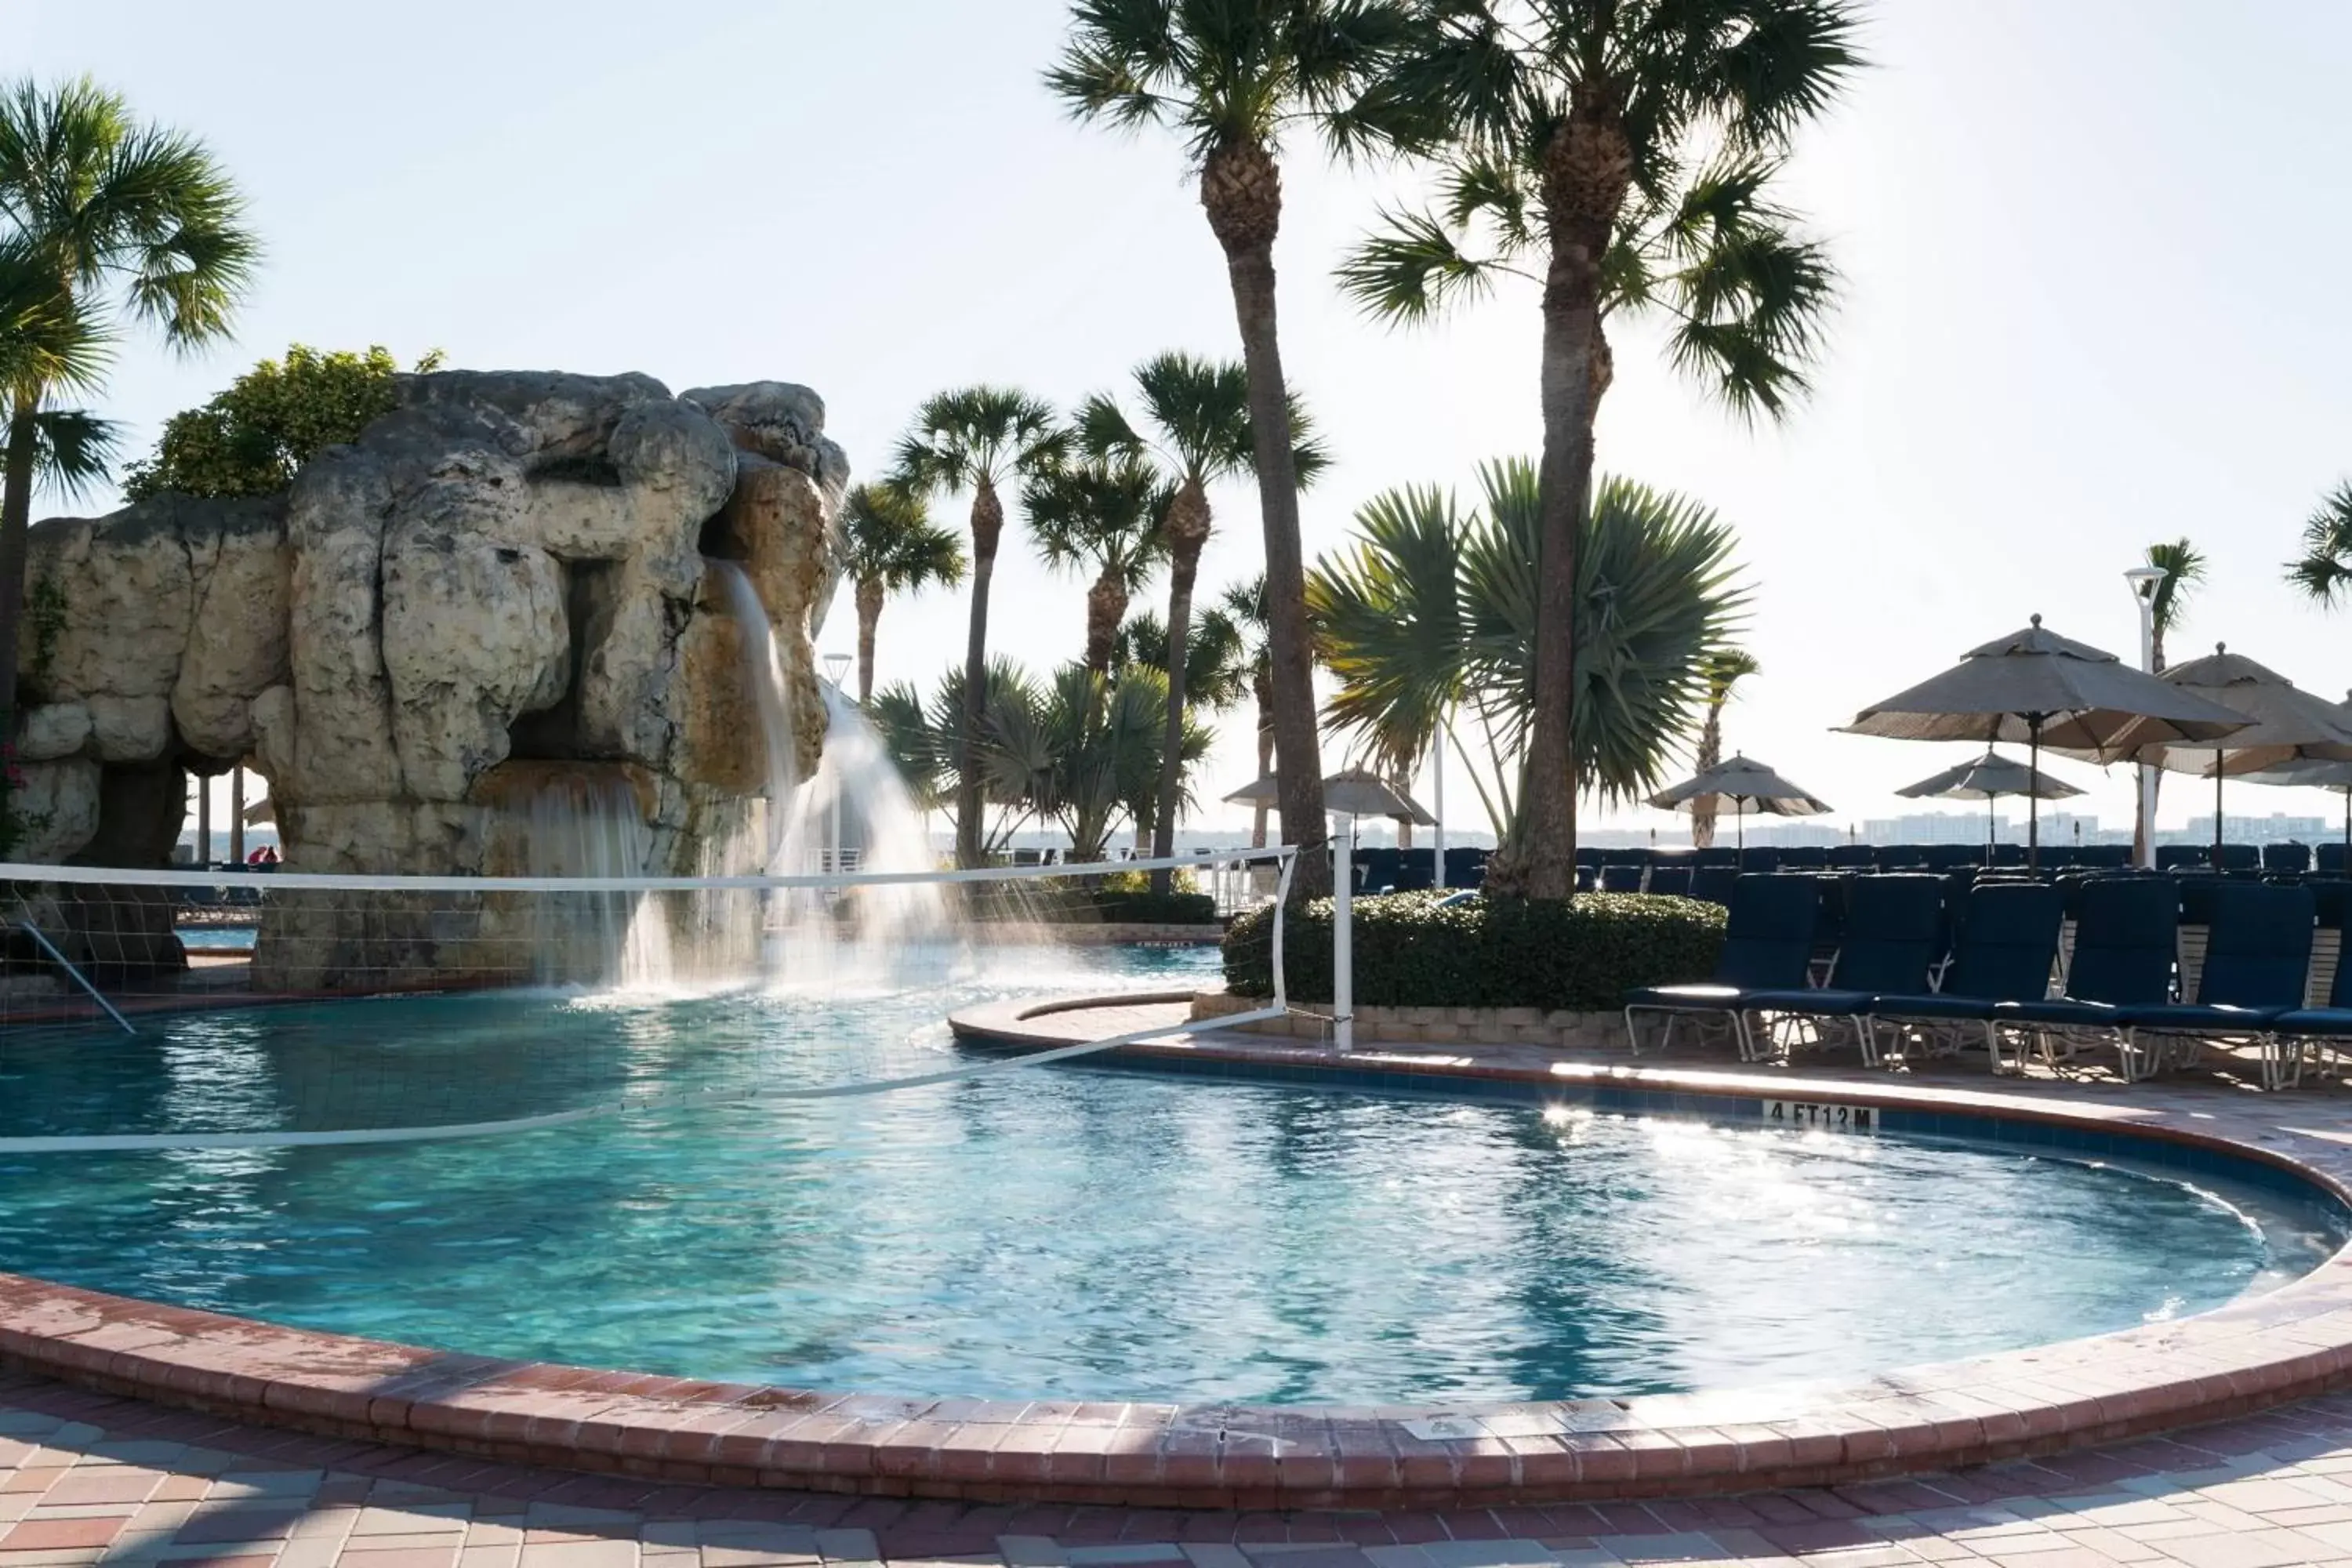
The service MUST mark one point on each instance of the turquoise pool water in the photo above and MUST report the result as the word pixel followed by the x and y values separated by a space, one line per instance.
pixel 1055 1232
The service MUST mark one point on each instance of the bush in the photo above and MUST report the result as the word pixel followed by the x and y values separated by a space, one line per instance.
pixel 1146 908
pixel 1056 902
pixel 250 439
pixel 1580 955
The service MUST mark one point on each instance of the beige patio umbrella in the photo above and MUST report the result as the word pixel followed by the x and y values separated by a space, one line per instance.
pixel 1733 785
pixel 2309 772
pixel 2043 690
pixel 2285 725
pixel 1352 792
pixel 1989 778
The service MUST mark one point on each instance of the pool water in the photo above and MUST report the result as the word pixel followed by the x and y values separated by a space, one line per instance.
pixel 1056 1232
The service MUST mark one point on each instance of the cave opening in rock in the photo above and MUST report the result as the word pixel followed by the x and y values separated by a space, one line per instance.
pixel 591 595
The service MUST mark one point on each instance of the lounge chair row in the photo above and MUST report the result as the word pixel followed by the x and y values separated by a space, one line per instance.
pixel 1908 978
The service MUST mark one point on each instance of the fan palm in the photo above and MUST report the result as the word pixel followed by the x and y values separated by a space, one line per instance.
pixel 1725 669
pixel 2183 566
pixel 1429 608
pixel 980 439
pixel 2324 572
pixel 1622 153
pixel 1231 78
pixel 1101 514
pixel 121 218
pixel 891 546
pixel 1196 426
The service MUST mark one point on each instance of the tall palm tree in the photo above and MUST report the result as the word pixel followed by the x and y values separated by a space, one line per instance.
pixel 1622 153
pixel 1101 514
pixel 1196 426
pixel 1724 670
pixel 1231 77
pixel 2324 572
pixel 893 547
pixel 1244 604
pixel 979 439
pixel 124 219
pixel 1429 608
pixel 2183 566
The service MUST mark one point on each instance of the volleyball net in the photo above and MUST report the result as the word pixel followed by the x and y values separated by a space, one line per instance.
pixel 201 1008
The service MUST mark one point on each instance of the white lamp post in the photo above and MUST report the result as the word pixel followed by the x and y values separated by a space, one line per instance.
pixel 1343 937
pixel 2144 581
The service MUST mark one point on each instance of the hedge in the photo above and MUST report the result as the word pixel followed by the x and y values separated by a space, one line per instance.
pixel 1580 955
pixel 1053 900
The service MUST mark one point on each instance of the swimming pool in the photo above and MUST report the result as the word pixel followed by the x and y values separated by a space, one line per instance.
pixel 1058 1233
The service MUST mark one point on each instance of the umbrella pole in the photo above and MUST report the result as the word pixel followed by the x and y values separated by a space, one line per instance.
pixel 2034 793
pixel 1990 801
pixel 1740 823
pixel 2217 808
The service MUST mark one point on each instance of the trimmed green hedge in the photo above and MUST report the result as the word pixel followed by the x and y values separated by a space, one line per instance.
pixel 1151 909
pixel 1580 955
pixel 1053 900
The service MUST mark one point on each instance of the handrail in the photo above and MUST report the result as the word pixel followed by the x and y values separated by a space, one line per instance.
pixel 81 979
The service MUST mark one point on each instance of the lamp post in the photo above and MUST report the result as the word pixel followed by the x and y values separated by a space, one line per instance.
pixel 1343 937
pixel 836 665
pixel 2144 581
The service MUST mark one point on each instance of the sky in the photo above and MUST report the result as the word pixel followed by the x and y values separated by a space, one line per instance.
pixel 2089 254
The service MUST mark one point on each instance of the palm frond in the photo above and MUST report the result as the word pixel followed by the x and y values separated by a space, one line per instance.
pixel 2183 566
pixel 73 450
pixel 1413 270
pixel 978 435
pixel 2324 569
pixel 889 538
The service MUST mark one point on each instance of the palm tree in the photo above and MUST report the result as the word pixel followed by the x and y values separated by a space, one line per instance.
pixel 1197 415
pixel 1429 609
pixel 1622 151
pixel 891 546
pixel 1104 514
pixel 121 218
pixel 2324 573
pixel 1725 669
pixel 1231 77
pixel 981 440
pixel 2183 566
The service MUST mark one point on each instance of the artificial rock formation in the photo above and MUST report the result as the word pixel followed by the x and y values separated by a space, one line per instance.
pixel 506 581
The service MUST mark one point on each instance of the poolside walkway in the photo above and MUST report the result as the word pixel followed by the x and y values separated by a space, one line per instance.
pixel 85 1478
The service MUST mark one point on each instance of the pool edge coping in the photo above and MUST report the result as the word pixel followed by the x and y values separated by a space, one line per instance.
pixel 2258 1352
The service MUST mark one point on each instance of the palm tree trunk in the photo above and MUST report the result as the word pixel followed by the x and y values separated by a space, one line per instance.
pixel 1587 170
pixel 1106 608
pixel 1265 754
pixel 1240 187
pixel 15 521
pixel 871 594
pixel 987 526
pixel 1710 752
pixel 1181 571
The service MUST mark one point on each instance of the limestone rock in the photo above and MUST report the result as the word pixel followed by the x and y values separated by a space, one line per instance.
pixel 237 642
pixel 57 809
pixel 130 728
pixel 55 731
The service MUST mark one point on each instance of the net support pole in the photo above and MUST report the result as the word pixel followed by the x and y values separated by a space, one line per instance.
pixel 1343 939
pixel 79 979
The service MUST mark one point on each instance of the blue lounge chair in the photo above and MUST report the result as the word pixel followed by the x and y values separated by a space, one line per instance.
pixel 1894 933
pixel 1714 884
pixel 1766 945
pixel 2003 949
pixel 1672 881
pixel 2127 929
pixel 2257 964
pixel 2307 1031
pixel 1621 879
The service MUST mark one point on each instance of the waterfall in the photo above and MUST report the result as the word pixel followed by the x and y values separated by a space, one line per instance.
pixel 854 813
pixel 585 822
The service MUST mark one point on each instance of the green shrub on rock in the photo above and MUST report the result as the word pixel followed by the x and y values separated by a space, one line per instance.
pixel 1580 955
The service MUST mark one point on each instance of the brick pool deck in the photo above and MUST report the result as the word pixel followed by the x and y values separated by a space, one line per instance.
pixel 2046 1456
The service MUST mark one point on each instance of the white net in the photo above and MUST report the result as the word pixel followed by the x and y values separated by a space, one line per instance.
pixel 204 1010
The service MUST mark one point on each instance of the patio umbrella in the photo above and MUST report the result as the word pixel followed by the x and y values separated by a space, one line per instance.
pixel 1988 778
pixel 1352 792
pixel 2039 687
pixel 2313 774
pixel 2285 725
pixel 1738 783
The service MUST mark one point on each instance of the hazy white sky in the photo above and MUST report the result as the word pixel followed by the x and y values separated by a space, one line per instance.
pixel 2091 249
